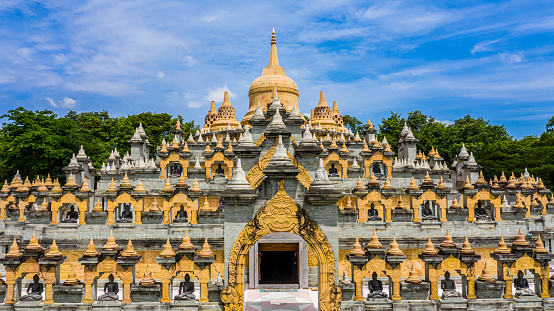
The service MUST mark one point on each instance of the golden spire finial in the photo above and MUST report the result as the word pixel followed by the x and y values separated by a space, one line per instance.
pixel 226 99
pixel 53 252
pixel 502 248
pixel 206 251
pixel 110 244
pixel 412 277
pixel 129 250
pixel 273 58
pixel 72 278
pixel 429 248
pixel 394 250
pixel 186 245
pixel 539 246
pixel 91 250
pixel 466 248
pixel 357 249
pixel 448 243
pixel 273 31
pixel 486 275
pixel 33 244
pixel 520 240
pixel 322 101
pixel 168 251
pixel 374 242
pixel 14 251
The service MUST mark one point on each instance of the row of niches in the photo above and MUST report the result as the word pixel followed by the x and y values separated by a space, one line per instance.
pixel 513 264
pixel 434 206
pixel 187 266
pixel 69 211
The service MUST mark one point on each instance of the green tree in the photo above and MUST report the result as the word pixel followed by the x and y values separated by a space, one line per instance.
pixel 550 125
pixel 353 124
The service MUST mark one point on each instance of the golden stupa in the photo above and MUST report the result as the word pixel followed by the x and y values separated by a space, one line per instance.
pixel 273 76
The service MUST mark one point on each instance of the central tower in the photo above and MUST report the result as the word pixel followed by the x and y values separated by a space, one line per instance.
pixel 273 77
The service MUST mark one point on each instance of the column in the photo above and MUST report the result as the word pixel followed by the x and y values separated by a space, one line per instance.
pixel 204 278
pixel 358 278
pixel 89 281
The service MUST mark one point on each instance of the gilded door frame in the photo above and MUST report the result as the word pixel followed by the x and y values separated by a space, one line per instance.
pixel 281 214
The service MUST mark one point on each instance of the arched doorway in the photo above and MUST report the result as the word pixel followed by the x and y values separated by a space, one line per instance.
pixel 281 214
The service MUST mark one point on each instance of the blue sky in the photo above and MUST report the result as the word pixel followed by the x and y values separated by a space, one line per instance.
pixel 489 59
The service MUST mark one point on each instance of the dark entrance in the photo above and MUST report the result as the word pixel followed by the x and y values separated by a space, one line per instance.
pixel 278 263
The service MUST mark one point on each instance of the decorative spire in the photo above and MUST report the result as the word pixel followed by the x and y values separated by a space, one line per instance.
pixel 14 251
pixel 110 244
pixel 387 185
pixel 468 185
pixel 520 240
pixel 322 101
pixel 195 187
pixel 455 204
pixel 53 252
pixel 448 243
pixel 140 187
pixel 502 248
pixel 206 252
pixel 394 250
pixel 33 245
pixel 486 275
pixel 466 248
pixel 147 280
pixel 273 58
pixel 359 186
pixel 72 278
pixel 129 250
pixel 111 188
pixel 539 246
pixel 167 187
pixel 70 181
pixel 413 185
pixel 186 245
pixel 357 250
pixel 91 250
pixel 429 248
pixel 413 277
pixel 84 187
pixel 168 251
pixel 374 242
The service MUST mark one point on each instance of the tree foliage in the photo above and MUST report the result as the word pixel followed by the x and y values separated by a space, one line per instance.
pixel 353 124
pixel 491 144
pixel 41 143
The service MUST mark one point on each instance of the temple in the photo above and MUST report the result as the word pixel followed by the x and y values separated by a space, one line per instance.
pixel 275 202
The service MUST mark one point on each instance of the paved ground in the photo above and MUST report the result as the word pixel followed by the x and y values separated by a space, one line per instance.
pixel 293 300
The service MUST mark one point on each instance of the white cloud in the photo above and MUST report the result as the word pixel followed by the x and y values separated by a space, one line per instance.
pixel 217 94
pixel 160 74
pixel 25 53
pixel 66 102
pixel 511 57
pixel 194 104
pixel 484 46
pixel 189 60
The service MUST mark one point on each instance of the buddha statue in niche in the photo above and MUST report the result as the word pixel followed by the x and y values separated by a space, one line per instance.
pixel 448 287
pixel 186 290
pixel 480 212
pixel 181 215
pixel 522 286
pixel 71 216
pixel 126 216
pixel 34 290
pixel 333 171
pixel 111 288
pixel 427 212
pixel 219 171
pixel 373 214
pixel 375 288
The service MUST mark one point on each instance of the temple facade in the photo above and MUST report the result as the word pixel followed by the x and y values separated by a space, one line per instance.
pixel 273 201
